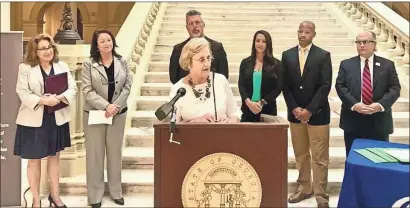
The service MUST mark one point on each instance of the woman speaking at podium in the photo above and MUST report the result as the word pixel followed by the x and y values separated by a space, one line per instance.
pixel 208 97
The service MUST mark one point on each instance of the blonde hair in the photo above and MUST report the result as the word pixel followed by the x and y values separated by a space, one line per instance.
pixel 30 57
pixel 190 50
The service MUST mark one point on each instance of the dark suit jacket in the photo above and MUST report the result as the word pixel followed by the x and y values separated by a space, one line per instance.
pixel 311 90
pixel 272 82
pixel 386 90
pixel 219 65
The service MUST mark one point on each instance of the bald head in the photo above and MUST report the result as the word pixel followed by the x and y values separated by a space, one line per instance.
pixel 366 44
pixel 369 35
pixel 306 33
pixel 308 24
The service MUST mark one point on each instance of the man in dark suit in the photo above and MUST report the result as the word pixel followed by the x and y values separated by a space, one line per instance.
pixel 368 86
pixel 307 73
pixel 195 27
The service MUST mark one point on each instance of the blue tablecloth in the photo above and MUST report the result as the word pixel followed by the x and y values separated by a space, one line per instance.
pixel 368 184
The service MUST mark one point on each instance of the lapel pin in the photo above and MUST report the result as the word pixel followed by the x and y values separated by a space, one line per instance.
pixel 377 64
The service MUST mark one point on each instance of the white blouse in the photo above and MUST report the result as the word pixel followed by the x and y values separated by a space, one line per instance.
pixel 189 106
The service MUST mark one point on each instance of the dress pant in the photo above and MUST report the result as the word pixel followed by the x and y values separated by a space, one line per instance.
pixel 249 116
pixel 101 139
pixel 349 137
pixel 311 148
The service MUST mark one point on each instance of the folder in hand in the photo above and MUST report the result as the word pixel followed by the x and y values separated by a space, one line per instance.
pixel 56 84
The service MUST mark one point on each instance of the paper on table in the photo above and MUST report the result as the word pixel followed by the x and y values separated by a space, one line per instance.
pixel 400 154
pixel 370 155
pixel 381 153
pixel 98 117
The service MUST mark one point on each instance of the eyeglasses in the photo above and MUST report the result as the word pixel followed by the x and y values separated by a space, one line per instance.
pixel 202 59
pixel 192 24
pixel 364 42
pixel 45 49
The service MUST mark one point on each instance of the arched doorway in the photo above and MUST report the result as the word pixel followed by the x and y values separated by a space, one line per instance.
pixel 49 15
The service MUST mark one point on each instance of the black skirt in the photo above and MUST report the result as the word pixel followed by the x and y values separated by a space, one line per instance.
pixel 40 142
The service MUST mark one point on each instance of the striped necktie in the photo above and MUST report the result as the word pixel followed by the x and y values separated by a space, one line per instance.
pixel 367 90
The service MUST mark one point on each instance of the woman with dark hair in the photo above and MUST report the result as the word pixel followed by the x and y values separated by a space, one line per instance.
pixel 41 133
pixel 106 85
pixel 260 79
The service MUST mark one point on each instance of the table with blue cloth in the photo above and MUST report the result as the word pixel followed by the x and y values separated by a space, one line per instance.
pixel 369 184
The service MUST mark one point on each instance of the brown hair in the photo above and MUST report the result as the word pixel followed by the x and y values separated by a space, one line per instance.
pixel 30 57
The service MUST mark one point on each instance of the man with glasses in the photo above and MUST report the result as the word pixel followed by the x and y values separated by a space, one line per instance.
pixel 195 27
pixel 368 86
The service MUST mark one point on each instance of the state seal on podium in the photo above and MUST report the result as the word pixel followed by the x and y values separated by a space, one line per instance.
pixel 221 180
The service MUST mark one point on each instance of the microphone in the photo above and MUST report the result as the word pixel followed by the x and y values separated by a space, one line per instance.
pixel 162 112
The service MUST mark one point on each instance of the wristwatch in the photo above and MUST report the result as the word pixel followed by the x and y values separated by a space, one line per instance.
pixel 263 102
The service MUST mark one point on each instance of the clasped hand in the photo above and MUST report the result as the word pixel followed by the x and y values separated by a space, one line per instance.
pixel 255 107
pixel 302 114
pixel 111 110
pixel 367 109
pixel 50 99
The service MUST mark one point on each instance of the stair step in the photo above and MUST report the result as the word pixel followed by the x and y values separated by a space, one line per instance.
pixel 133 181
pixel 276 19
pixel 246 48
pixel 147 200
pixel 163 89
pixel 144 137
pixel 138 158
pixel 245 11
pixel 153 102
pixel 272 16
pixel 163 66
pixel 147 118
pixel 291 41
pixel 245 5
pixel 163 77
pixel 336 58
pixel 136 181
pixel 234 31
pixel 294 25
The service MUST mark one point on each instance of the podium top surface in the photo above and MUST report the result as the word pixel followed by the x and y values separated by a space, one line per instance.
pixel 267 121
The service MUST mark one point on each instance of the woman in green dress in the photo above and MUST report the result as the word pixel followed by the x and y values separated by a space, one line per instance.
pixel 260 79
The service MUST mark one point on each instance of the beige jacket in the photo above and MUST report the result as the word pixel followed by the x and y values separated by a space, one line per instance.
pixel 95 85
pixel 30 88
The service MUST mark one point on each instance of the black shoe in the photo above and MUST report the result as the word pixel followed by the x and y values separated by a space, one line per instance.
pixel 25 200
pixel 98 205
pixel 51 200
pixel 24 197
pixel 119 201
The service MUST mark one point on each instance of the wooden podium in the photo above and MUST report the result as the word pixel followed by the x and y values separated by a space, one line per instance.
pixel 215 164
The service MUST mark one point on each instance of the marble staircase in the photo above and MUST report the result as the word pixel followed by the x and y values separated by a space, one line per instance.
pixel 233 24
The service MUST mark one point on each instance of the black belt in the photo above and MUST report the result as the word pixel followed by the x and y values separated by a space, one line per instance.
pixel 123 110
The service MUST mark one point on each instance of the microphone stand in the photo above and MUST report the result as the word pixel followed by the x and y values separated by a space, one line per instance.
pixel 172 126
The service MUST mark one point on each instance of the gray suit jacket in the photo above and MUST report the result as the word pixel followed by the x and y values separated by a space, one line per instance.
pixel 30 88
pixel 95 85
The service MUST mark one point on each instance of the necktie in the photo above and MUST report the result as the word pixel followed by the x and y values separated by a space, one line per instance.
pixel 302 59
pixel 367 90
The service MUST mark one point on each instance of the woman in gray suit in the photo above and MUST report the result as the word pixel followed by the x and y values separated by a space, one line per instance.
pixel 106 84
pixel 39 133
